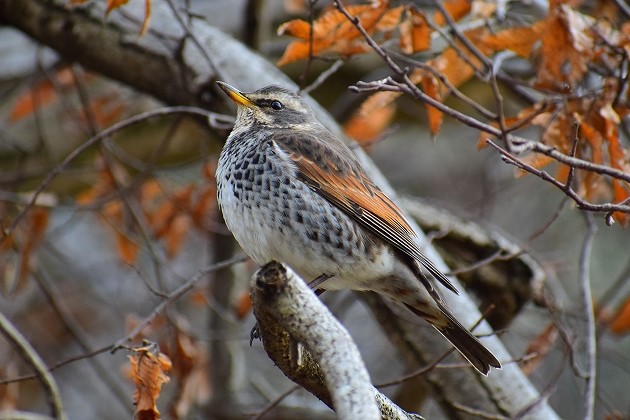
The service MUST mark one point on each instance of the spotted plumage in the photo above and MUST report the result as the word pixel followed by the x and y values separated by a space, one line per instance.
pixel 291 191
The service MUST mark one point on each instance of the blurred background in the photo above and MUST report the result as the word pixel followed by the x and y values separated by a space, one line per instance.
pixel 134 217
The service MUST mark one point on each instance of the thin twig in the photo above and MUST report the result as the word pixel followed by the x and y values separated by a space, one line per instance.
pixel 56 301
pixel 583 204
pixel 452 89
pixel 323 76
pixel 436 363
pixel 552 152
pixel 174 295
pixel 625 9
pixel 477 413
pixel 542 398
pixel 29 354
pixel 311 35
pixel 274 403
pixel 463 38
pixel 189 110
pixel 589 317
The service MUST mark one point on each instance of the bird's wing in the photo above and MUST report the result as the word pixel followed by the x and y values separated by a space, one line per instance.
pixel 330 169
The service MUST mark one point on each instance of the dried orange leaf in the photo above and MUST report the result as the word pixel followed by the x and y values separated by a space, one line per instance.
pixel 177 231
pixel 36 228
pixel 294 7
pixel 41 94
pixel 106 109
pixel 456 8
pixel 127 248
pixel 483 9
pixel 147 17
pixel 415 33
pixel 430 86
pixel 621 320
pixel 390 20
pixel 204 205
pixel 378 100
pixel 535 160
pixel 567 47
pixel 618 160
pixel 621 193
pixel 453 66
pixel 191 370
pixel 334 33
pixel 365 127
pixel 149 373
pixel 105 184
pixel 297 27
pixel 243 305
pixel 519 40
pixel 114 4
pixel 484 138
pixel 539 348
pixel 25 104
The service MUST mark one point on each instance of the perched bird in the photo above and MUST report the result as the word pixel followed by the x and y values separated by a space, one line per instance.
pixel 291 191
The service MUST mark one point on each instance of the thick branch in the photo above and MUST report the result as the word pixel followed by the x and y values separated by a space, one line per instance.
pixel 290 316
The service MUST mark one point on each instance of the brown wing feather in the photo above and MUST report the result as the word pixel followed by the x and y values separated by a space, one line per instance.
pixel 332 171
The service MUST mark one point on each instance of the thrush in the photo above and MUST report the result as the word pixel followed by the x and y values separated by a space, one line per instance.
pixel 292 191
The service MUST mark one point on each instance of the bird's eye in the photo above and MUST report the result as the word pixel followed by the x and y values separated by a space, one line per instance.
pixel 277 105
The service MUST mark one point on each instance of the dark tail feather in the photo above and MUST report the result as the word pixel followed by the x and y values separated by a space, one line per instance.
pixel 468 345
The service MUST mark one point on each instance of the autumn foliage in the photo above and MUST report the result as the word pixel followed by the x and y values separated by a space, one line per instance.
pixel 560 49
pixel 149 371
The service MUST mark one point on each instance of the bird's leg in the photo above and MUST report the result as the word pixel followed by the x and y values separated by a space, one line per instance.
pixel 314 284
pixel 254 334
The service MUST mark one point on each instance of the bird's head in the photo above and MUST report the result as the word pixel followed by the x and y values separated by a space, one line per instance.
pixel 272 106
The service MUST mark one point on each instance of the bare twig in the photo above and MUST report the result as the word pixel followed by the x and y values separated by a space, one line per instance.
pixel 323 76
pixel 174 295
pixel 29 354
pixel 311 56
pixel 52 174
pixel 56 301
pixel 452 89
pixel 589 317
pixel 623 6
pixel 552 152
pixel 606 207
pixel 463 38
pixel 274 403
pixel 478 413
pixel 170 298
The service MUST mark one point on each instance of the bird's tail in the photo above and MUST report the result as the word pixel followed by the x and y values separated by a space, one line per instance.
pixel 467 344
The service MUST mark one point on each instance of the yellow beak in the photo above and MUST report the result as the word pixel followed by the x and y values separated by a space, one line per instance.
pixel 236 95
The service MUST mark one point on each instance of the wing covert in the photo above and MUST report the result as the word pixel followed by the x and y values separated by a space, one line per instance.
pixel 330 169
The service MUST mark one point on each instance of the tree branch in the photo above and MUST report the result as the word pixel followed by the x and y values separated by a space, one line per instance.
pixel 31 357
pixel 289 316
pixel 589 317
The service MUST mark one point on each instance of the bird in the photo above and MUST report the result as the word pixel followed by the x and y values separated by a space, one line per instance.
pixel 291 191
